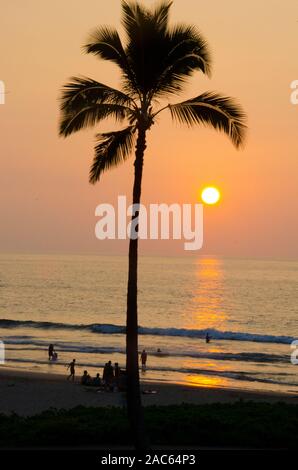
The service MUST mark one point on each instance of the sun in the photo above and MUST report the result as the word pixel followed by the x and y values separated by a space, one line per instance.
pixel 210 195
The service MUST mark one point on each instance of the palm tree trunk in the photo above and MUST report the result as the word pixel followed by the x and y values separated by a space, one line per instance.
pixel 134 405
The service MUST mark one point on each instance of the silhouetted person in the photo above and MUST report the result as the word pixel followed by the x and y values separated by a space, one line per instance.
pixel 71 367
pixel 143 359
pixel 116 370
pixel 105 372
pixel 117 373
pixel 51 351
pixel 96 381
pixel 208 338
pixel 86 379
pixel 110 375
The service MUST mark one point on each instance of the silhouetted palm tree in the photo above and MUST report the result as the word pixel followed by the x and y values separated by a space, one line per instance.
pixel 154 62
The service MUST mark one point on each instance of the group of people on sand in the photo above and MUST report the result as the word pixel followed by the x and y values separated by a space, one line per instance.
pixel 113 378
pixel 111 374
pixel 89 381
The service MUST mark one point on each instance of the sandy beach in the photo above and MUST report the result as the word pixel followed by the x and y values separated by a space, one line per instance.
pixel 28 393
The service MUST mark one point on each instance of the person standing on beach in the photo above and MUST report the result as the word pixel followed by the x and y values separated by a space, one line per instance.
pixel 144 359
pixel 105 372
pixel 110 376
pixel 116 370
pixel 71 366
pixel 116 374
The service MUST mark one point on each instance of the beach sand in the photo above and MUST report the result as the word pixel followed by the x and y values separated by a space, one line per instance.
pixel 28 393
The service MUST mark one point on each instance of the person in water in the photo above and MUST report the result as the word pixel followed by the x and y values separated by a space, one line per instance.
pixel 71 367
pixel 143 359
pixel 51 351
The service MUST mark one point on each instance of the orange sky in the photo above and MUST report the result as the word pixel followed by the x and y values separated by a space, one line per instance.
pixel 47 204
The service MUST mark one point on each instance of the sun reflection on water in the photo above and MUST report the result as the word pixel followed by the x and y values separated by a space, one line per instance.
pixel 207 311
pixel 208 298
pixel 206 381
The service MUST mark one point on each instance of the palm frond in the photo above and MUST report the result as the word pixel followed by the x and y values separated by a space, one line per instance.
pixel 145 29
pixel 133 16
pixel 85 102
pixel 136 17
pixel 105 43
pixel 161 57
pixel 220 112
pixel 112 149
pixel 161 14
pixel 84 91
pixel 186 52
pixel 90 115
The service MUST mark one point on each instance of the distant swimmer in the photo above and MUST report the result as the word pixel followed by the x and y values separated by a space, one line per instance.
pixel 143 359
pixel 51 351
pixel 208 338
pixel 71 367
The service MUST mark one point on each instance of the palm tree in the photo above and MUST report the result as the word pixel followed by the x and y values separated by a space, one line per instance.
pixel 154 62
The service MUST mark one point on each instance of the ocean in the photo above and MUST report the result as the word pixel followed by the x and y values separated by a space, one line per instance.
pixel 78 303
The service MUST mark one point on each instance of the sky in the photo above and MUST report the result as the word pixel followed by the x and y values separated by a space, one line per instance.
pixel 47 204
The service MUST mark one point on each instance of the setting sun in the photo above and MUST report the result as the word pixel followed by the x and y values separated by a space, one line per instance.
pixel 210 195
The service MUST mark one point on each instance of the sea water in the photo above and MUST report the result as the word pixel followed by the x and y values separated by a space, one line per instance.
pixel 78 303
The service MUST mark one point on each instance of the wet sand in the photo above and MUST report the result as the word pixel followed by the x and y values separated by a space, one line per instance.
pixel 28 393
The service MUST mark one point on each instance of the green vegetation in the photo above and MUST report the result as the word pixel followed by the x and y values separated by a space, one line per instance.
pixel 245 424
